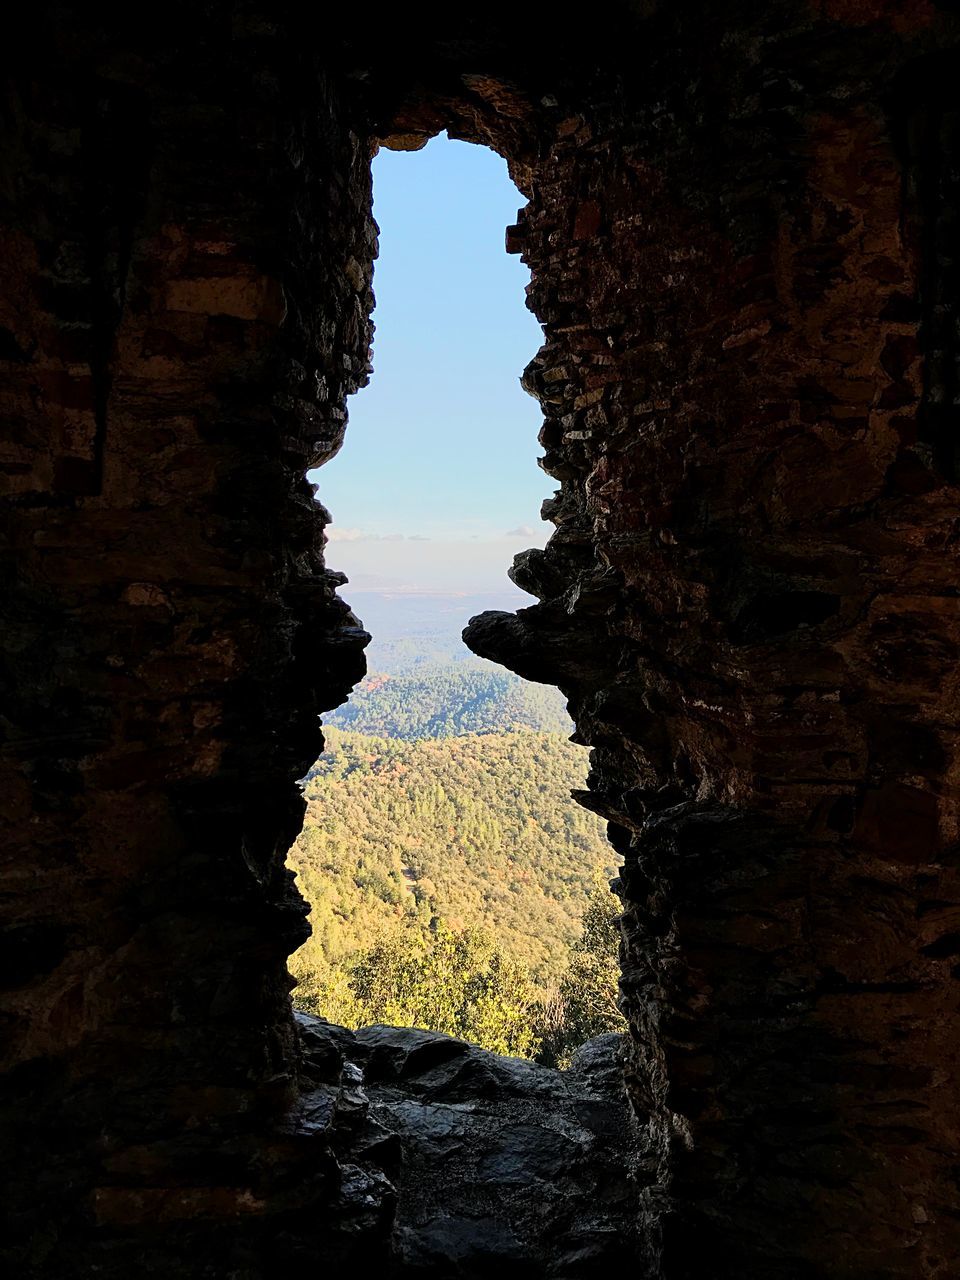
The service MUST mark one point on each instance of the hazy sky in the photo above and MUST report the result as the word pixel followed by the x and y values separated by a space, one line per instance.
pixel 437 484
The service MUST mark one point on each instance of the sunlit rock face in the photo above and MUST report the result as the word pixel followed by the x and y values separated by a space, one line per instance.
pixel 740 228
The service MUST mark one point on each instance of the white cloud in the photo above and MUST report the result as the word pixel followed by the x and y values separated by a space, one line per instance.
pixel 521 531
pixel 345 535
pixel 360 535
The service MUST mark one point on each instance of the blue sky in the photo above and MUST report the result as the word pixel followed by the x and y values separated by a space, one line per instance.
pixel 437 485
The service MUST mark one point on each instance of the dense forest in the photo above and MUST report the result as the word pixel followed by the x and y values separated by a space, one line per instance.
pixel 454 883
pixel 444 701
pixel 477 830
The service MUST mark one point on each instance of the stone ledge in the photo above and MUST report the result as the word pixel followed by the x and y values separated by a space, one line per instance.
pixel 501 1166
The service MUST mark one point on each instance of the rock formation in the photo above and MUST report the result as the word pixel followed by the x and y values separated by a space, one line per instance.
pixel 483 1165
pixel 740 223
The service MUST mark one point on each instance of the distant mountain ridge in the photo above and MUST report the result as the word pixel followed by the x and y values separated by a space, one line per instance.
pixel 414 629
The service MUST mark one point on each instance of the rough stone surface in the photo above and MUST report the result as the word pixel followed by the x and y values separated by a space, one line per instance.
pixel 499 1167
pixel 179 343
pixel 741 228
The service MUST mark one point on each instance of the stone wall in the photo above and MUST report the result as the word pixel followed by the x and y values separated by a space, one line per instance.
pixel 740 227
pixel 179 336
pixel 752 600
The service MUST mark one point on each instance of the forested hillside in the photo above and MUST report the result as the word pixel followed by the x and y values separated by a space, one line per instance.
pixel 446 701
pixel 477 830
pixel 454 883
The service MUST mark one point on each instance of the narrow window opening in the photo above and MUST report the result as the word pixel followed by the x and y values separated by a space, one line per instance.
pixel 455 885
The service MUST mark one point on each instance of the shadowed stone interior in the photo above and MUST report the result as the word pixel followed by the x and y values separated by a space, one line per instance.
pixel 741 227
